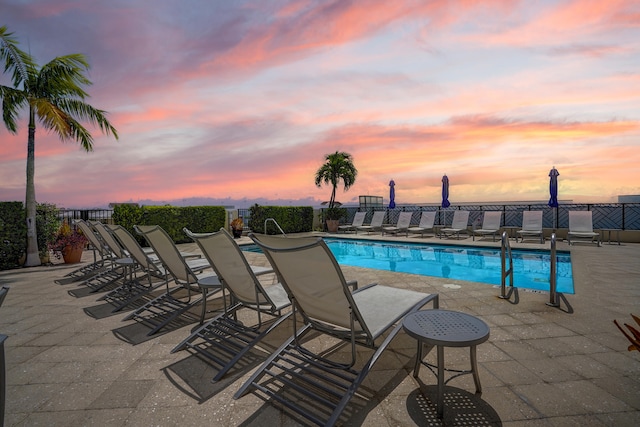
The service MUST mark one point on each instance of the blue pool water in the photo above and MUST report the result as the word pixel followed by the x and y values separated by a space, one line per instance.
pixel 474 264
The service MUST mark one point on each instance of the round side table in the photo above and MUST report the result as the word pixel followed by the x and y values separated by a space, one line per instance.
pixel 445 328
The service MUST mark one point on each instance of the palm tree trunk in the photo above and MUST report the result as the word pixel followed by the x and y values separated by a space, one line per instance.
pixel 33 256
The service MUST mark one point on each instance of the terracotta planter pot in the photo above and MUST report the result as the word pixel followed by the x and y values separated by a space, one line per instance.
pixel 72 254
pixel 332 225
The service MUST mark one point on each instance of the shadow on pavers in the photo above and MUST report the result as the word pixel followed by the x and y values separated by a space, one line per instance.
pixel 460 408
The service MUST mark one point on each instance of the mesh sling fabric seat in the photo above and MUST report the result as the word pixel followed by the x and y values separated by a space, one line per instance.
pixel 581 227
pixel 375 224
pixel 531 226
pixel 427 219
pixel 459 224
pixel 224 340
pixel 402 226
pixel 166 308
pixel 318 384
pixel 358 220
pixel 490 225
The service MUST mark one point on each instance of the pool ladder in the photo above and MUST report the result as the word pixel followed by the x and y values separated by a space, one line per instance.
pixel 507 273
pixel 276 223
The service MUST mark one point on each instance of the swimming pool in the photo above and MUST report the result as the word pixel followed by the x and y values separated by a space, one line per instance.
pixel 475 264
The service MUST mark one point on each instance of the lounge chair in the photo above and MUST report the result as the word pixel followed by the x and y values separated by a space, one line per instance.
pixel 166 308
pixel 146 262
pixel 4 290
pixel 358 220
pixel 224 340
pixel 459 224
pixel 531 226
pixel 581 227
pixel 427 219
pixel 402 226
pixel 112 271
pixel 490 225
pixel 375 225
pixel 313 380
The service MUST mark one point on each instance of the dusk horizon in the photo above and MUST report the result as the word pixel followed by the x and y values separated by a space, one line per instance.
pixel 241 101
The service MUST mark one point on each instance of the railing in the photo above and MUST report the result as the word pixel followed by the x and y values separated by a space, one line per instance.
pixel 276 223
pixel 623 216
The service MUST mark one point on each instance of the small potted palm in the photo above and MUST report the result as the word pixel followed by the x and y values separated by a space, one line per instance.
pixel 237 226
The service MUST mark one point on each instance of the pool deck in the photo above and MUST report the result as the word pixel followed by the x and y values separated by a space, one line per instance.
pixel 69 362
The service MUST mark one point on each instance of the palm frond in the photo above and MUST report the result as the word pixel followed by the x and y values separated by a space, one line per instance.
pixel 16 61
pixel 12 101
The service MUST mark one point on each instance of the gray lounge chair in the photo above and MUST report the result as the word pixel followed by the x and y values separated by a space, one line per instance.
pixel 375 225
pixel 317 383
pixel 490 225
pixel 581 227
pixel 166 308
pixel 223 340
pixel 358 220
pixel 402 226
pixel 531 226
pixel 427 219
pixel 458 225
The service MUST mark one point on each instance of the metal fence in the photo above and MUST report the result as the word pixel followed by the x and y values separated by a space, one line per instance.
pixel 623 216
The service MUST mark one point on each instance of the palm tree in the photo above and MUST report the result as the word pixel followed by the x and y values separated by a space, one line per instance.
pixel 54 97
pixel 338 166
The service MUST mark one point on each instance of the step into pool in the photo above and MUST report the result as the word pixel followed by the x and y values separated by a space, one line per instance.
pixel 474 264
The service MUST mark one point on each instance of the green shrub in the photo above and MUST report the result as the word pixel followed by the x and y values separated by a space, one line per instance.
pixel 172 219
pixel 292 219
pixel 47 226
pixel 13 234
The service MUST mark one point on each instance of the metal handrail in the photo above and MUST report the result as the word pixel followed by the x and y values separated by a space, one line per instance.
pixel 277 225
pixel 553 294
pixel 505 251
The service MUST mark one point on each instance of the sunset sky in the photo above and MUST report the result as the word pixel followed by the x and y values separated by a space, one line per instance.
pixel 240 100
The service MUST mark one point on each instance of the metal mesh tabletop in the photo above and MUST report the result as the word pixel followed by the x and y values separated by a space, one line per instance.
pixel 447 328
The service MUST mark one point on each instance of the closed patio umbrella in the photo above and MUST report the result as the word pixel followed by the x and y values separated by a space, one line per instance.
pixel 445 192
pixel 392 194
pixel 553 187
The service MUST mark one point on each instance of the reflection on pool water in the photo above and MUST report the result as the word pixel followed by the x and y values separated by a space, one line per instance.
pixel 475 264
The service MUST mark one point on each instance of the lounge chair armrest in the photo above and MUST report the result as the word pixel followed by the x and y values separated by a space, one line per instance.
pixel 353 284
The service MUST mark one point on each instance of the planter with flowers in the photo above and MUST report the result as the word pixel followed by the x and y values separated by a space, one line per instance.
pixel 68 244
pixel 237 225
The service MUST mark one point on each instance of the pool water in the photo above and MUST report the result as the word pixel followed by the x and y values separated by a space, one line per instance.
pixel 475 264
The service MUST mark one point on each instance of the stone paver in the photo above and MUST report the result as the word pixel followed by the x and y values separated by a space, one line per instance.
pixel 70 362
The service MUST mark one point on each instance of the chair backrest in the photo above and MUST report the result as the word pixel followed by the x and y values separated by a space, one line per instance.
pixel 378 218
pixel 460 219
pixel 491 220
pixel 168 253
pixel 133 247
pixel 230 265
pixel 404 220
pixel 358 219
pixel 92 237
pixel 108 239
pixel 580 221
pixel 532 221
pixel 427 219
pixel 314 282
